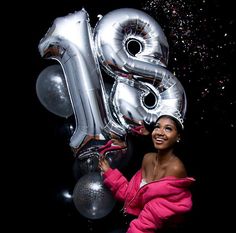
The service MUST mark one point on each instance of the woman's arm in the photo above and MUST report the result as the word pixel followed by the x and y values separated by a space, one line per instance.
pixel 116 182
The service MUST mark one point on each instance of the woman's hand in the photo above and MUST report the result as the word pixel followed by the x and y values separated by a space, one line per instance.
pixel 103 164
pixel 117 141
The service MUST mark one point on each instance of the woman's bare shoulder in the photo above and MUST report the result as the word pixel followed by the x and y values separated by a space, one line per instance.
pixel 148 156
pixel 176 168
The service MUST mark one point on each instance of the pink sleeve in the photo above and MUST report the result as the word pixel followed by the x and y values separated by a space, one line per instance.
pixel 117 183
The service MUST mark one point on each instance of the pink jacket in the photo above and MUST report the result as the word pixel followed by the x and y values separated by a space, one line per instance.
pixel 154 202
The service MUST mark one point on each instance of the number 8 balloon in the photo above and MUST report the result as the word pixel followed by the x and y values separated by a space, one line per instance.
pixel 133 49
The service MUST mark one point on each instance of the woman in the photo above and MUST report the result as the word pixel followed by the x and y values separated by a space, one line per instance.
pixel 159 191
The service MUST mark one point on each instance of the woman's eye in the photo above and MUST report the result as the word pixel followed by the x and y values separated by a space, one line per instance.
pixel 168 129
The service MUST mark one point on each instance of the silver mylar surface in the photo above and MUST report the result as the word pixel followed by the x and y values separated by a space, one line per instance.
pixel 116 30
pixel 132 104
pixel 138 75
pixel 70 42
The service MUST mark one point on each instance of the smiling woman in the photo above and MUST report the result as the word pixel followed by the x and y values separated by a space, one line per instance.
pixel 159 191
pixel 202 44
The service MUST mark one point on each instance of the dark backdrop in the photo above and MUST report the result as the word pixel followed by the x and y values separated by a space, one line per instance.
pixel 202 53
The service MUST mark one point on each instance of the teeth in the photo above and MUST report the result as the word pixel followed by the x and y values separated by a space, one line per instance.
pixel 159 139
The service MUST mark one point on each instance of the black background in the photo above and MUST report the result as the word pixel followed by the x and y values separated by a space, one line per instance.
pixel 41 163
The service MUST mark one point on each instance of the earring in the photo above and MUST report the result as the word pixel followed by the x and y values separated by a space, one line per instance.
pixel 178 140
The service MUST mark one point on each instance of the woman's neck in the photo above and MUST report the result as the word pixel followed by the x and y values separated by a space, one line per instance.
pixel 164 156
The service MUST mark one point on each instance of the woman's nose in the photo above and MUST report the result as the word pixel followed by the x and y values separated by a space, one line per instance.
pixel 159 131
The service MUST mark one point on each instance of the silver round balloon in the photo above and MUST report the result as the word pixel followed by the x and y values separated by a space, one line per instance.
pixel 91 198
pixel 52 91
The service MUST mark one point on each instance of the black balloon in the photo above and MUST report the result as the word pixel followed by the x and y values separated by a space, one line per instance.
pixel 85 164
pixel 118 158
pixel 91 198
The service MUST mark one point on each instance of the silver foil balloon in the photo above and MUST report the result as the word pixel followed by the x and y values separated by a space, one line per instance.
pixel 91 198
pixel 52 91
pixel 135 101
pixel 120 31
pixel 70 42
pixel 144 89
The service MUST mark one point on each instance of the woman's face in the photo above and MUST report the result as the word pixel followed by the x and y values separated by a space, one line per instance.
pixel 165 133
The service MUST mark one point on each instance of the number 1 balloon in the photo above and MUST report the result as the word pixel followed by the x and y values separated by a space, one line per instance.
pixel 70 42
